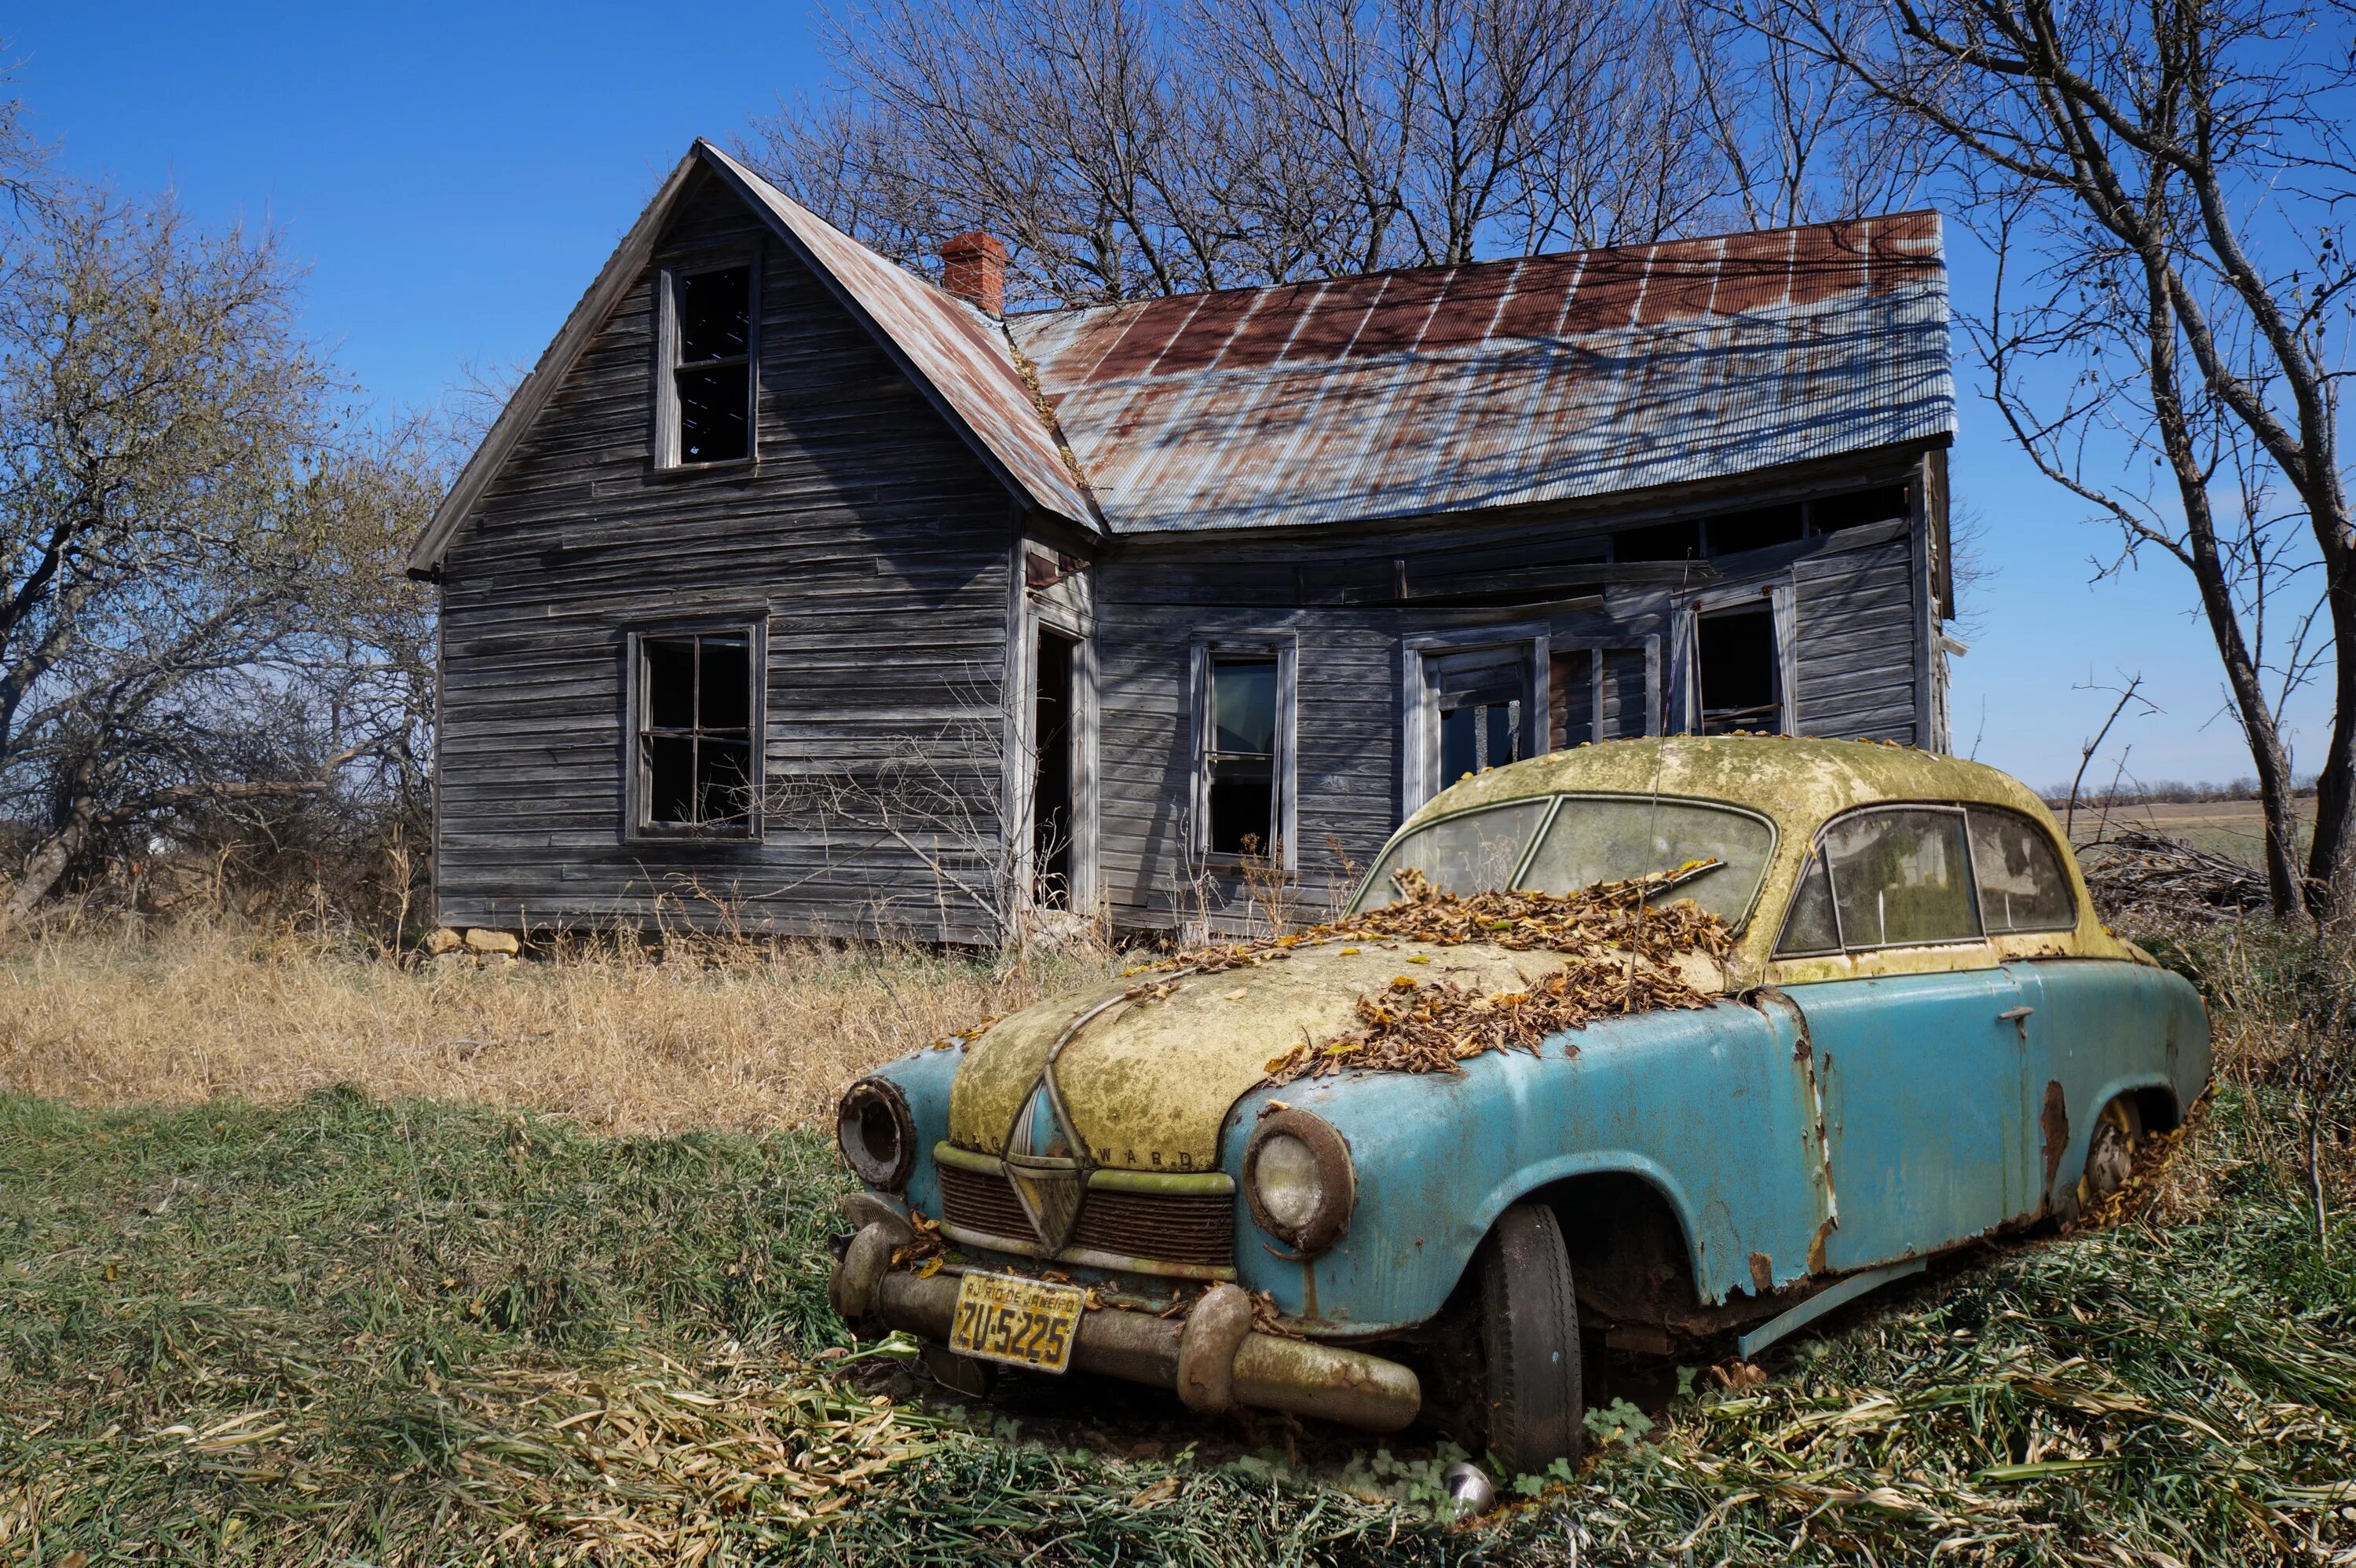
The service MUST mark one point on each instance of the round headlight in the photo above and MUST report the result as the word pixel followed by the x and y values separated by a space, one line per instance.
pixel 877 1134
pixel 1298 1180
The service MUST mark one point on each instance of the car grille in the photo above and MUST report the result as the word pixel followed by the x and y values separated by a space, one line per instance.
pixel 1158 1227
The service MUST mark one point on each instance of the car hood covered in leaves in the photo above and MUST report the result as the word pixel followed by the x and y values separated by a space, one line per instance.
pixel 1147 1080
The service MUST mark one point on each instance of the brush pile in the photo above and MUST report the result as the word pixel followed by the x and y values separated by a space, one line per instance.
pixel 2140 875
pixel 1621 949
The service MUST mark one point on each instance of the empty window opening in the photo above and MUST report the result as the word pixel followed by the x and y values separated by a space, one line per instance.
pixel 1054 733
pixel 1739 669
pixel 1858 509
pixel 1481 700
pixel 695 732
pixel 1762 528
pixel 1242 755
pixel 713 364
pixel 1661 542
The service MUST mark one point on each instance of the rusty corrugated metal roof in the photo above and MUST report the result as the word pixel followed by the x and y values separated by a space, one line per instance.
pixel 955 347
pixel 1500 383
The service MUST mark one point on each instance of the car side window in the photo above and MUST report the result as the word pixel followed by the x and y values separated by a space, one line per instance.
pixel 1810 926
pixel 1902 876
pixel 2022 886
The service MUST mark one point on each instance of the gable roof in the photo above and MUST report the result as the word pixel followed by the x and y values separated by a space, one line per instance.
pixel 1408 393
pixel 1435 389
pixel 957 357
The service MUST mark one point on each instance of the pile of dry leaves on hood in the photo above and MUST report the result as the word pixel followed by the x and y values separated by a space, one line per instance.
pixel 1621 945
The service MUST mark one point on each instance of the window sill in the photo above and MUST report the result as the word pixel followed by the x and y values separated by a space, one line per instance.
pixel 691 836
pixel 745 467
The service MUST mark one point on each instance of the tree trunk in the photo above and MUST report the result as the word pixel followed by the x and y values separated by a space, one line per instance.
pixel 2331 858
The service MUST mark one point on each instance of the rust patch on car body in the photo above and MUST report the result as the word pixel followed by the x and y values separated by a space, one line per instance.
pixel 1763 1273
pixel 2054 1124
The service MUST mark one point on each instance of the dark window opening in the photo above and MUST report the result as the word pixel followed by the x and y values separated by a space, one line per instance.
pixel 1736 652
pixel 1858 509
pixel 1482 697
pixel 695 732
pixel 1762 528
pixel 712 373
pixel 1661 542
pixel 1242 756
pixel 1054 732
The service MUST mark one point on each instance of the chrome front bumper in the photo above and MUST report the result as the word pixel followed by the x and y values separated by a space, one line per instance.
pixel 1212 1357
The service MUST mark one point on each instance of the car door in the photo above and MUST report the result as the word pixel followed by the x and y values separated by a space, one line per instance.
pixel 1921 1061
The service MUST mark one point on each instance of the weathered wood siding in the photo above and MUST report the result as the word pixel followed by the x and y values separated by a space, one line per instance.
pixel 871 540
pixel 1857 599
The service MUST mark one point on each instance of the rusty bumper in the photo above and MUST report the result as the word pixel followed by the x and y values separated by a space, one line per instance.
pixel 1212 1357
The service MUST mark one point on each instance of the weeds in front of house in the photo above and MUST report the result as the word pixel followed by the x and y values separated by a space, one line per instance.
pixel 702 1031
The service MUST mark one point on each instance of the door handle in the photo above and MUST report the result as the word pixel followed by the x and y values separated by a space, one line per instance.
pixel 2013 1015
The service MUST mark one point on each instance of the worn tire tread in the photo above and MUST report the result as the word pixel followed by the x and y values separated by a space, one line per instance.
pixel 1530 1350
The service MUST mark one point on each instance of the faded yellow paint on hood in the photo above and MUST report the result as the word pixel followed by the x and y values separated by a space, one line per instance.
pixel 1149 1083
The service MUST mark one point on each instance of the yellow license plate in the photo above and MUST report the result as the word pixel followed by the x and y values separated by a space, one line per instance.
pixel 1023 1322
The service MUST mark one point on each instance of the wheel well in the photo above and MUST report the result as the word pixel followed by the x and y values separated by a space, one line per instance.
pixel 1628 1253
pixel 2156 1109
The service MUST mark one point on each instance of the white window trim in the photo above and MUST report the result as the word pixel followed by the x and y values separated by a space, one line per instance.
pixel 1200 650
pixel 1684 683
pixel 1419 702
pixel 635 826
pixel 667 278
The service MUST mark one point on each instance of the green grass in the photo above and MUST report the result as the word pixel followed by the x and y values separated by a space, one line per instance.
pixel 396 1332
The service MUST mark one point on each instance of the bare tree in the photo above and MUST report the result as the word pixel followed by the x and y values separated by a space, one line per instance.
pixel 1136 148
pixel 2163 185
pixel 197 613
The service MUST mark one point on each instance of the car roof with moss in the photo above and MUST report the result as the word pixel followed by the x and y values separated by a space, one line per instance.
pixel 1795 780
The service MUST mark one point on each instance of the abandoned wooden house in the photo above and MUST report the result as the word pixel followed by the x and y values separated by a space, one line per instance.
pixel 795 591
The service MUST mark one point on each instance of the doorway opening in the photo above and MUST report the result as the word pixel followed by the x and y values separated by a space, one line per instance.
pixel 1054 731
pixel 1740 672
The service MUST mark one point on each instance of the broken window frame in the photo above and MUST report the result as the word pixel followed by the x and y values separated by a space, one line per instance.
pixel 1780 595
pixel 1205 653
pixel 1419 748
pixel 670 338
pixel 639 822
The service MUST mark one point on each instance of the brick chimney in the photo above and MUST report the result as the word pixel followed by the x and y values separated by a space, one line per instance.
pixel 974 271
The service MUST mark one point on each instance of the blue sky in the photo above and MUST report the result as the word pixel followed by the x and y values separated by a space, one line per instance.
pixel 454 176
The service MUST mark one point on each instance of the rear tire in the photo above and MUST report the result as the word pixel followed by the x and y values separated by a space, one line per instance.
pixel 1529 1343
pixel 2111 1151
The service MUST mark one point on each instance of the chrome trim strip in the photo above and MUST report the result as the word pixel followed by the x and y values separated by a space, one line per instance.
pixel 1086 1257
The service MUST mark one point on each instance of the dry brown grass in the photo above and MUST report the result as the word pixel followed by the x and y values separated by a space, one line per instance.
pixel 742 1036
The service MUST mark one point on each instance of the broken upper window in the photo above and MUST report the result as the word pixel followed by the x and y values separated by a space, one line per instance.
pixel 711 364
pixel 1242 781
pixel 698 768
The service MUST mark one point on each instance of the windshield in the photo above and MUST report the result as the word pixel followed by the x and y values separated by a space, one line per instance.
pixel 1594 839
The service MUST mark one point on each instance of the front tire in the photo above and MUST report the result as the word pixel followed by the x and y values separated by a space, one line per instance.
pixel 1529 1342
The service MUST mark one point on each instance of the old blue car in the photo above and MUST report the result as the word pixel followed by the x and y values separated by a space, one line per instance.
pixel 1920 1035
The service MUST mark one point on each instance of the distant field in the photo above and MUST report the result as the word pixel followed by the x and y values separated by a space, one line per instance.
pixel 2235 827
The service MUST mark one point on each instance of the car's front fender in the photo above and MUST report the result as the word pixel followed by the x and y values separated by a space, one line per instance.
pixel 1705 1106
